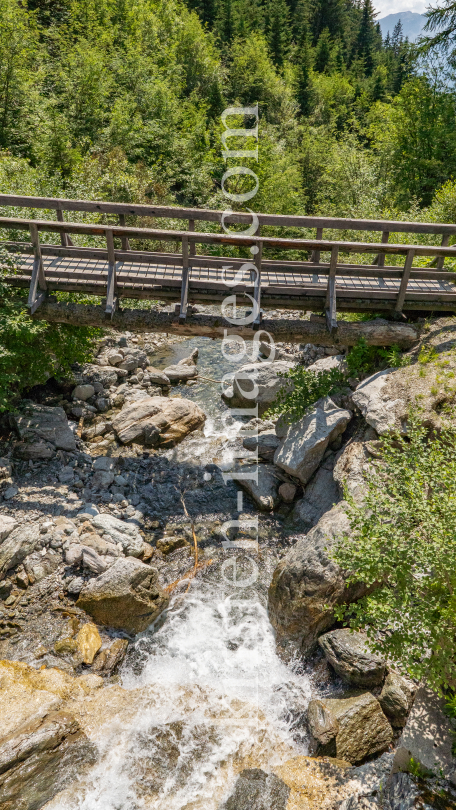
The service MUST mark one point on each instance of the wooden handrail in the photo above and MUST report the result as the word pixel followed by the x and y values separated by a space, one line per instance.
pixel 224 239
pixel 208 215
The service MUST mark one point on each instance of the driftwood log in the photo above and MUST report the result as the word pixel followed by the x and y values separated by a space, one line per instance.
pixel 376 332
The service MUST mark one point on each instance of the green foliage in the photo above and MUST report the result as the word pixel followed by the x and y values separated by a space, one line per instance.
pixel 309 386
pixel 364 359
pixel 32 351
pixel 403 542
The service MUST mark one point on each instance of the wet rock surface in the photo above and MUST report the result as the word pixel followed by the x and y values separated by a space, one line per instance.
pixel 257 790
pixel 349 655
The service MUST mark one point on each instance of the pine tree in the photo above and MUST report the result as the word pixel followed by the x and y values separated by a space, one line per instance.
pixel 366 40
pixel 304 89
pixel 398 37
pixel 330 14
pixel 323 52
pixel 224 24
pixel 278 30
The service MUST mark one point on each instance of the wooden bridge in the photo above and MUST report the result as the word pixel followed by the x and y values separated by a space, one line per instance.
pixel 124 261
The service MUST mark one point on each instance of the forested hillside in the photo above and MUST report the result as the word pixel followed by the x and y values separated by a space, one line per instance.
pixel 123 101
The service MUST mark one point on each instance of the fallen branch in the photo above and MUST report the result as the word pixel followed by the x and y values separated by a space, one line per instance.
pixel 375 333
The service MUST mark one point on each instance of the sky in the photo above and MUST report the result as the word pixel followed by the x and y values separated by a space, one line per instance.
pixel 385 7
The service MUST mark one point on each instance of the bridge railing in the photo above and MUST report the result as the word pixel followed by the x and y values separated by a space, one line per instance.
pixel 187 258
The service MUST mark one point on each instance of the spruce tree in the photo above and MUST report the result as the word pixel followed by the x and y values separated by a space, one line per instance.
pixel 304 90
pixel 323 52
pixel 398 37
pixel 330 14
pixel 278 30
pixel 366 40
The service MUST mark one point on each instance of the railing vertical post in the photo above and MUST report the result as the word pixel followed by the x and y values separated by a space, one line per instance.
pixel 185 279
pixel 111 301
pixel 381 256
pixel 316 253
pixel 331 306
pixel 124 239
pixel 257 286
pixel 191 229
pixel 404 282
pixel 441 259
pixel 65 240
pixel 38 280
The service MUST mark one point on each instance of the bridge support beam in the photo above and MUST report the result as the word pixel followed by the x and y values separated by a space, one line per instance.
pixel 375 333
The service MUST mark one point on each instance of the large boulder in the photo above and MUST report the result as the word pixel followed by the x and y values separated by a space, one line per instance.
pixel 360 727
pixel 306 583
pixel 380 410
pixel 264 491
pixel 307 440
pixel 41 757
pixel 39 423
pixel 396 698
pixel 7 524
pixel 327 363
pixel 127 596
pixel 351 658
pixel 158 421
pixel 265 444
pixel 181 372
pixel 127 534
pixel 351 468
pixel 320 495
pixel 17 545
pixel 268 377
pixel 257 790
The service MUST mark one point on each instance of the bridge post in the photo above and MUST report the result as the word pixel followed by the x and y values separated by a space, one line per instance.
pixel 185 280
pixel 315 258
pixel 65 240
pixel 404 282
pixel 257 286
pixel 124 239
pixel 331 308
pixel 111 300
pixel 381 256
pixel 38 280
pixel 441 259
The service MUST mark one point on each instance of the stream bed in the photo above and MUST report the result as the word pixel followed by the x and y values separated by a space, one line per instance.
pixel 204 694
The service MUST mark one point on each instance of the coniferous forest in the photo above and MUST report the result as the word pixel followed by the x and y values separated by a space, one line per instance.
pixel 123 101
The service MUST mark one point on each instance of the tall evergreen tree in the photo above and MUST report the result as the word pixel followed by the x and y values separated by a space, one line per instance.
pixel 278 30
pixel 304 90
pixel 323 52
pixel 398 36
pixel 330 14
pixel 366 41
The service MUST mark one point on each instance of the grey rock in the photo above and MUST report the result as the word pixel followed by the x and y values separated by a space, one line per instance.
pixel 75 586
pixel 106 375
pixel 41 423
pixel 172 418
pixel 5 468
pixel 263 486
pixel 379 411
pixel 103 404
pixel 287 492
pixel 73 554
pixel 127 596
pixel 18 544
pixel 66 475
pixel 323 726
pixel 40 758
pixel 306 441
pixel 265 443
pixel 104 463
pixel 93 561
pixel 349 655
pixel 396 698
pixel 157 377
pixel 83 392
pixel 259 383
pixel 10 492
pixel 33 451
pixel 129 364
pixel 306 581
pixel 363 728
pixel 102 479
pixel 181 372
pixel 114 357
pixel 427 736
pixel 351 469
pixel 7 524
pixel 118 531
pixel 320 495
pixel 327 363
pixel 257 790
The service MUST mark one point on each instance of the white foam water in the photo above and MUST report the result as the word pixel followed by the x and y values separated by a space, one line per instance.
pixel 210 696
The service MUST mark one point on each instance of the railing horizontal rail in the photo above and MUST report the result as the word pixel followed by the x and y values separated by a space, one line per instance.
pixel 208 215
pixel 224 239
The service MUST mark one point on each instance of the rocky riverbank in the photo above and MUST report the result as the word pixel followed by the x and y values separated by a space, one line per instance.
pixel 112 504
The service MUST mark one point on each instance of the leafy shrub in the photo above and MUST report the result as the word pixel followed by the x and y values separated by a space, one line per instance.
pixel 309 386
pixel 32 351
pixel 403 536
pixel 365 359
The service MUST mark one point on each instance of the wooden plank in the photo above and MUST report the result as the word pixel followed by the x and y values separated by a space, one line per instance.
pixel 209 215
pixel 185 280
pixel 111 285
pixel 404 282
pixel 191 228
pixel 331 312
pixel 441 259
pixel 63 236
